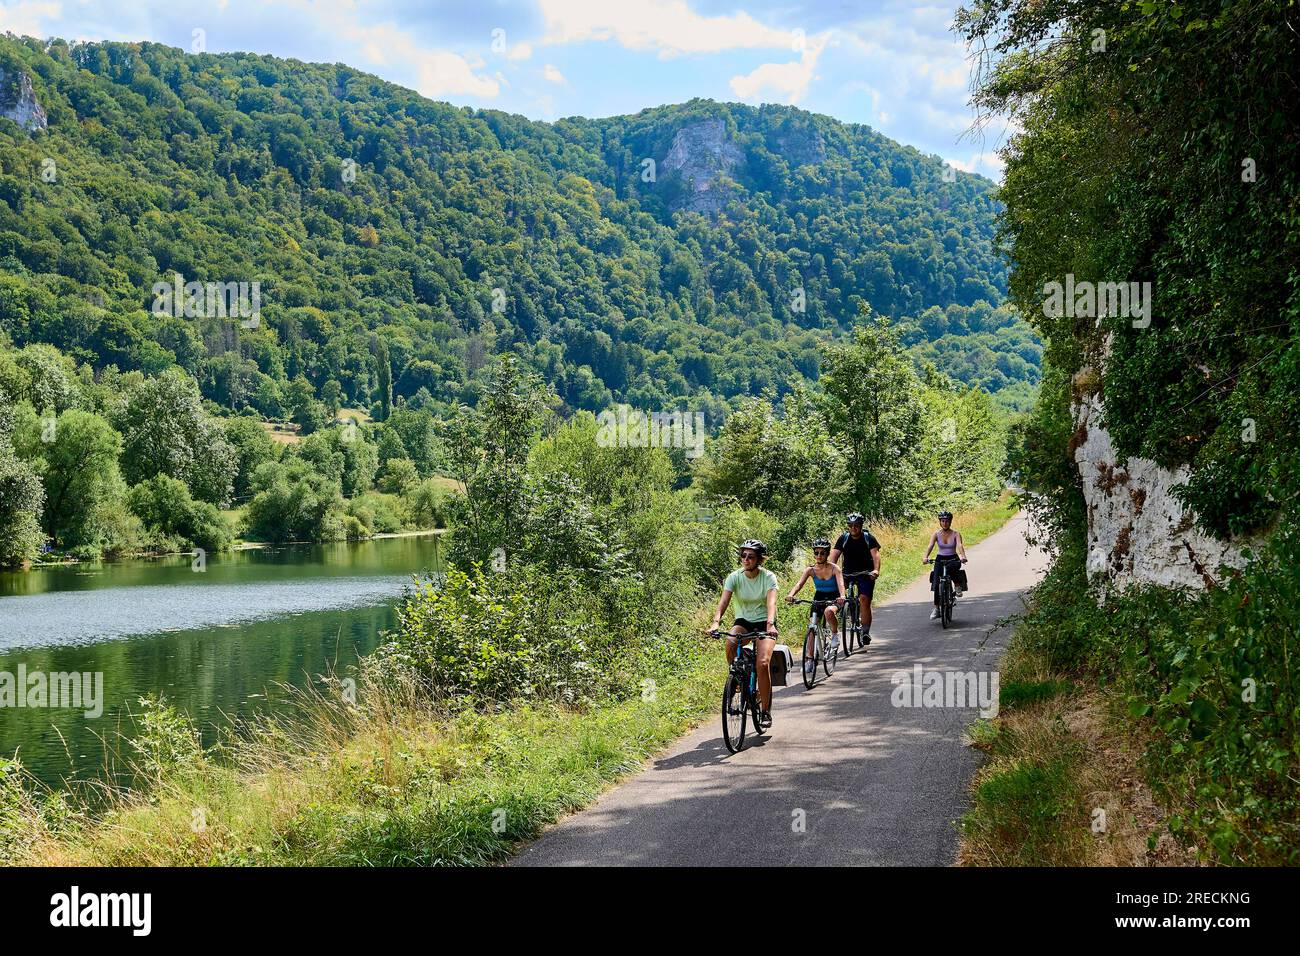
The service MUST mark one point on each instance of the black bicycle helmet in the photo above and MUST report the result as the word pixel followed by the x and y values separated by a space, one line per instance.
pixel 820 543
pixel 945 514
pixel 753 544
pixel 855 518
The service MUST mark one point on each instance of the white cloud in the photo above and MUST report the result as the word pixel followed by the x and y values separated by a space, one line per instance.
pixel 437 72
pixel 520 51
pixel 29 17
pixel 551 73
pixel 788 81
pixel 669 26
pixel 546 104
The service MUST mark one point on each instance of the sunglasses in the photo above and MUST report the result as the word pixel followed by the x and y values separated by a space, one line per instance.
pixel 748 556
pixel 821 550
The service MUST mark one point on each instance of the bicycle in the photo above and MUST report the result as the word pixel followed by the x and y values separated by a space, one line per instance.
pixel 823 650
pixel 740 693
pixel 945 592
pixel 853 612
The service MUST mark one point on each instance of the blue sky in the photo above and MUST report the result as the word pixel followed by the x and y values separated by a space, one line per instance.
pixel 895 66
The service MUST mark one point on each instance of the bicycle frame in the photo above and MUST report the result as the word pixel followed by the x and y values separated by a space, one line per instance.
pixel 822 637
pixel 945 595
pixel 744 671
pixel 852 616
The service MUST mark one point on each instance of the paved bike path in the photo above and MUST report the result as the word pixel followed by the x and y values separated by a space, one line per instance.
pixel 875 784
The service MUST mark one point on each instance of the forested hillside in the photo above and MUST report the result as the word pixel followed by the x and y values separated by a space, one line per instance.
pixel 701 251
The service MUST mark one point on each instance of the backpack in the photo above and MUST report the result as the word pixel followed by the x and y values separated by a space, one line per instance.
pixel 782 664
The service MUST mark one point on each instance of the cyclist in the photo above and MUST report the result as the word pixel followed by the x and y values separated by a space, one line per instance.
pixel 754 588
pixel 828 587
pixel 861 559
pixel 952 552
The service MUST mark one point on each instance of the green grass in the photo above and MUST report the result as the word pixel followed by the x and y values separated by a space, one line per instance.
pixel 1028 809
pixel 1019 693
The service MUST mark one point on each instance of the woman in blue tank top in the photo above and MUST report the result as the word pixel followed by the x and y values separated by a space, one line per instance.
pixel 828 584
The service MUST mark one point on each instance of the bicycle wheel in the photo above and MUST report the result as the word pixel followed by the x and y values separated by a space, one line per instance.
pixel 945 602
pixel 829 654
pixel 842 626
pixel 809 662
pixel 848 615
pixel 734 706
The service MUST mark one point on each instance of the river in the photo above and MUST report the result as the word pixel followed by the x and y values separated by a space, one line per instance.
pixel 214 639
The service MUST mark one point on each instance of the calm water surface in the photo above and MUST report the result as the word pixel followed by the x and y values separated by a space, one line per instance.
pixel 214 642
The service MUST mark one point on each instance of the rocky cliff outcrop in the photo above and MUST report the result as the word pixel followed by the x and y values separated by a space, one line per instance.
pixel 18 101
pixel 1138 532
pixel 702 155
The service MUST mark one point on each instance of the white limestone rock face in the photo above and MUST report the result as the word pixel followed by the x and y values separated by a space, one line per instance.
pixel 701 155
pixel 18 101
pixel 1138 532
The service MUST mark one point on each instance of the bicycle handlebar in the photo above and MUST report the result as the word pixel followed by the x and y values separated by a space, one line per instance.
pixel 746 636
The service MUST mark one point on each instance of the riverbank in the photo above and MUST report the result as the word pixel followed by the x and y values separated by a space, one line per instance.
pixel 238 546
pixel 383 536
pixel 400 782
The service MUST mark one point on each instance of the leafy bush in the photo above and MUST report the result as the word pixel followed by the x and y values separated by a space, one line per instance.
pixel 173 520
pixel 491 637
pixel 379 512
pixel 425 503
pixel 399 475
pixel 710 544
pixel 1207 675
pixel 166 741
pixel 293 502
pixel 27 811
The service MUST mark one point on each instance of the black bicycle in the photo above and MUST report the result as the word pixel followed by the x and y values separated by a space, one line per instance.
pixel 851 619
pixel 740 693
pixel 945 590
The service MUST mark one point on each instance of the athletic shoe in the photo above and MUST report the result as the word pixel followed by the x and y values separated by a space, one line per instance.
pixel 866 639
pixel 934 614
pixel 765 720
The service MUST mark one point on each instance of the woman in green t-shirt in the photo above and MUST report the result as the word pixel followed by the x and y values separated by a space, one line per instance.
pixel 754 590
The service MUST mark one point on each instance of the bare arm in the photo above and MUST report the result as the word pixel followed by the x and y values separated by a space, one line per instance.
pixel 875 556
pixel 722 607
pixel 839 579
pixel 931 548
pixel 799 587
pixel 961 546
pixel 771 609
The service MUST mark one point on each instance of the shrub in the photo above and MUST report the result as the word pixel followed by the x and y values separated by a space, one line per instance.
pixel 426 505
pixel 487 637
pixel 172 520
pixel 384 512
pixel 711 544
pixel 166 741
pixel 294 503
pixel 1207 675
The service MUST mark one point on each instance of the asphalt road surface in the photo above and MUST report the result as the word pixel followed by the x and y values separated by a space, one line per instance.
pixel 844 777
